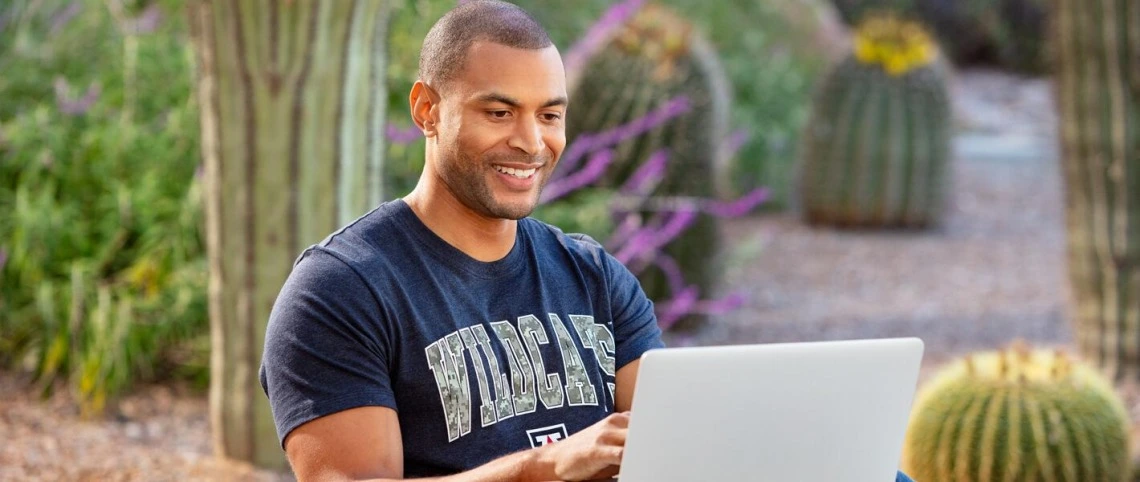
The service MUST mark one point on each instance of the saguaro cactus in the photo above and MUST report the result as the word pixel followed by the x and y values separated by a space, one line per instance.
pixel 1098 95
pixel 292 103
pixel 878 140
pixel 1018 414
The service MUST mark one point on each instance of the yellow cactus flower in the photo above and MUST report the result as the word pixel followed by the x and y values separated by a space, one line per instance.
pixel 865 50
pixel 899 46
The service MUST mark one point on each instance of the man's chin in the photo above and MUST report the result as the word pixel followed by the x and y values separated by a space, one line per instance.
pixel 512 210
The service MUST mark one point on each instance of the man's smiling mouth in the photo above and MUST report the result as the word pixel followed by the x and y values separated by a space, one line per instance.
pixel 519 173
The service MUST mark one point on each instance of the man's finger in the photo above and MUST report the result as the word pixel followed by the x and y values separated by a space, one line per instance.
pixel 620 420
pixel 615 437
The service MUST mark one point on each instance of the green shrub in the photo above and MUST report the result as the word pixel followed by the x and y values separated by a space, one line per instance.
pixel 588 211
pixel 411 20
pixel 774 52
pixel 105 279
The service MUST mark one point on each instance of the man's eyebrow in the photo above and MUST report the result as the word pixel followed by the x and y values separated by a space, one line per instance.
pixel 500 98
pixel 503 99
pixel 555 102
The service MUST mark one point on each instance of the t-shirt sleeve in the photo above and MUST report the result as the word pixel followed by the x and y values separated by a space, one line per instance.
pixel 635 324
pixel 325 346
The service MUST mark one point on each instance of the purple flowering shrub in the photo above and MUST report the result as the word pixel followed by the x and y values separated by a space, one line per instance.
pixel 633 222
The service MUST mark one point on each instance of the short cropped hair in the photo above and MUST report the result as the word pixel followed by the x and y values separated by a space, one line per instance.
pixel 446 45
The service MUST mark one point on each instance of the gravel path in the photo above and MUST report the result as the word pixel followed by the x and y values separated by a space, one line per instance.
pixel 994 271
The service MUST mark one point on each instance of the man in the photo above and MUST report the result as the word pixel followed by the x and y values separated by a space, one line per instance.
pixel 446 334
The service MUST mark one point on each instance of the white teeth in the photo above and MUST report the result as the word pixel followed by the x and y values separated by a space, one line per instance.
pixel 519 173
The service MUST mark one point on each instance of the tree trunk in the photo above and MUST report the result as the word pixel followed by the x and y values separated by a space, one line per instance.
pixel 292 97
pixel 1098 94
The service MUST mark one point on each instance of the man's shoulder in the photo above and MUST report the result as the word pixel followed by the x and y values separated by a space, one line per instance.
pixel 366 240
pixel 576 244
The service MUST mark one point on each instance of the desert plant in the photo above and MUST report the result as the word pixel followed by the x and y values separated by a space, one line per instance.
pixel 1018 414
pixel 651 58
pixel 102 281
pixel 878 141
pixel 1098 97
pixel 293 122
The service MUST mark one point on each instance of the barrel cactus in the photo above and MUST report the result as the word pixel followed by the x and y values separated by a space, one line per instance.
pixel 1018 414
pixel 1009 33
pixel 878 140
pixel 654 58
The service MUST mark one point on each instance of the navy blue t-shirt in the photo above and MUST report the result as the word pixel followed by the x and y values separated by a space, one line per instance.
pixel 478 359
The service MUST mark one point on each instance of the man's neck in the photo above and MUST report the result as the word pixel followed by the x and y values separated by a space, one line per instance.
pixel 482 238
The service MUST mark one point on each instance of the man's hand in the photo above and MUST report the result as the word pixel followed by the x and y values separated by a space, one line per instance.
pixel 593 453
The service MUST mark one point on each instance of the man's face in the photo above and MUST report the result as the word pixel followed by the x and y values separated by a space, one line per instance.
pixel 501 128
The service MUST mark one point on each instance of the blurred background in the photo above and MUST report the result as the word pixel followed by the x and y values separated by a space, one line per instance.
pixel 772 170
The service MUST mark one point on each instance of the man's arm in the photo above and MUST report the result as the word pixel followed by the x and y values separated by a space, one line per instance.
pixel 364 444
pixel 623 391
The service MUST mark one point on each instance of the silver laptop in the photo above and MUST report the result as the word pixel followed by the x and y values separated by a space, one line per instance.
pixel 821 411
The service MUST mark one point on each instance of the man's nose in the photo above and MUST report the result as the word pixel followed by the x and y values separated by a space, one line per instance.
pixel 527 137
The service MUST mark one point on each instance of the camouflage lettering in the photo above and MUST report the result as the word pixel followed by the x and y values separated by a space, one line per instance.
pixel 452 384
pixel 596 337
pixel 455 349
pixel 486 405
pixel 522 375
pixel 549 386
pixel 579 390
pixel 502 398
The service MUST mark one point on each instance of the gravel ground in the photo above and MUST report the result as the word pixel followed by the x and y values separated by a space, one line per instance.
pixel 992 272
pixel 158 433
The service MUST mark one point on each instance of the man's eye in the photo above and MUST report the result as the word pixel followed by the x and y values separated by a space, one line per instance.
pixel 552 117
pixel 499 114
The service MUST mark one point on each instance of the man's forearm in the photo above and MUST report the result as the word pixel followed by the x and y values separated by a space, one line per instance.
pixel 524 466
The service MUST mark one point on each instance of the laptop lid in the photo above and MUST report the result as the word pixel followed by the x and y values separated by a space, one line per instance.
pixel 820 411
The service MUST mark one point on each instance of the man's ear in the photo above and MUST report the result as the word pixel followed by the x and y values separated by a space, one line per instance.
pixel 424 102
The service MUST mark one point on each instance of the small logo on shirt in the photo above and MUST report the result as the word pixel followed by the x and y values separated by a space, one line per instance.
pixel 546 435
